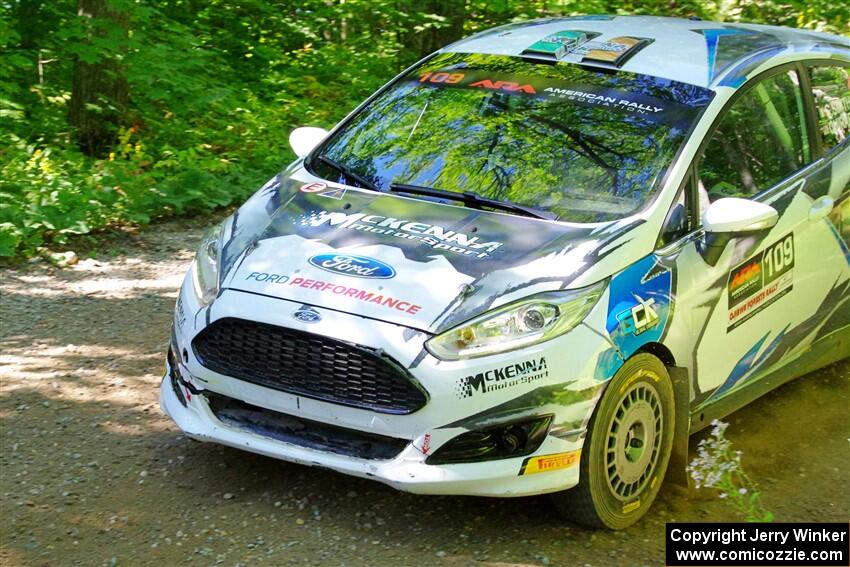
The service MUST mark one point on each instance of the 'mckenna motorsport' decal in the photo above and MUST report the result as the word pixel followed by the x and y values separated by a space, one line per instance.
pixel 501 378
pixel 435 236
pixel 761 280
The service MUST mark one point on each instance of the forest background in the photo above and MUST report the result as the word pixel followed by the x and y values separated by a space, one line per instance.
pixel 114 113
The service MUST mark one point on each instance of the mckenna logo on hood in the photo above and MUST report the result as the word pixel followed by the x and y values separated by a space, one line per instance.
pixel 435 236
pixel 505 377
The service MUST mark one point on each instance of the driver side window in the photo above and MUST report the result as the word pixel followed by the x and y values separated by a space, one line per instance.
pixel 760 141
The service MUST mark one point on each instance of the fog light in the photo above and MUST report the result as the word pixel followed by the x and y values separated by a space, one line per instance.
pixel 514 439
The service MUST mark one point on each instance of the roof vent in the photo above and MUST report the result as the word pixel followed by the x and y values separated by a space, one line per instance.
pixel 616 51
pixel 559 44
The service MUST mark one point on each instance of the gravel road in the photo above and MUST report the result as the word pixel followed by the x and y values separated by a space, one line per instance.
pixel 92 473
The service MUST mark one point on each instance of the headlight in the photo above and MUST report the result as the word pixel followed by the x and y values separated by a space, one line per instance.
pixel 206 265
pixel 520 324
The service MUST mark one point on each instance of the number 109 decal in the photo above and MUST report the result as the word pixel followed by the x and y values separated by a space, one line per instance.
pixel 761 280
pixel 474 80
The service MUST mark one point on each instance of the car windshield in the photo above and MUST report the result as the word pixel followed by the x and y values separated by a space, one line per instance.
pixel 588 145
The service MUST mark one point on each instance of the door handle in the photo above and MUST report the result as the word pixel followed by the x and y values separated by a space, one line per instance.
pixel 821 208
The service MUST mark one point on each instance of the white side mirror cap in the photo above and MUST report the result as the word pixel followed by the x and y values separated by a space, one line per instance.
pixel 304 139
pixel 735 215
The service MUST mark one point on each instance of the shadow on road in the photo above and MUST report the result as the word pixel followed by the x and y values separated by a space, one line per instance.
pixel 93 473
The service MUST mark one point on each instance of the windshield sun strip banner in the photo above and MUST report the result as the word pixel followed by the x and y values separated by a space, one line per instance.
pixel 660 110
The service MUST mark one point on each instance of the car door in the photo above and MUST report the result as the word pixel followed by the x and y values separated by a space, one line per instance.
pixel 828 82
pixel 757 307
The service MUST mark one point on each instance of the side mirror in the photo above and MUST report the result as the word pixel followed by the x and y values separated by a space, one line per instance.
pixel 730 217
pixel 304 139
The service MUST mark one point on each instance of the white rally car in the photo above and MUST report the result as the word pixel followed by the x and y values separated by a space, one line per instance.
pixel 532 262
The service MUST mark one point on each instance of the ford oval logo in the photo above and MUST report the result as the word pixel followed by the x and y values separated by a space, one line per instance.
pixel 357 266
pixel 307 314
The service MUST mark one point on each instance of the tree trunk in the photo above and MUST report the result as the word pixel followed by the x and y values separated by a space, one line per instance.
pixel 432 39
pixel 99 91
pixel 28 13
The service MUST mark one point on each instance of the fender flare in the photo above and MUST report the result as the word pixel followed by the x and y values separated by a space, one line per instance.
pixel 677 469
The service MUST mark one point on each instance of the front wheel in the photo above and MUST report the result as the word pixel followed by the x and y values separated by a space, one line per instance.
pixel 625 455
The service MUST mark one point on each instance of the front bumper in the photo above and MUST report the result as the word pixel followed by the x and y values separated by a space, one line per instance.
pixel 407 471
pixel 568 393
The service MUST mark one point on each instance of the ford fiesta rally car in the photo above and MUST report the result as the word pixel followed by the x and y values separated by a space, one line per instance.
pixel 534 261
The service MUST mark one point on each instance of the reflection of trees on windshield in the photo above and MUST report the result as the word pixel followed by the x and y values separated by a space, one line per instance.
pixel 584 162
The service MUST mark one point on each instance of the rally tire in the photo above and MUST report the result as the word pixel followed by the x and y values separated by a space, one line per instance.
pixel 627 449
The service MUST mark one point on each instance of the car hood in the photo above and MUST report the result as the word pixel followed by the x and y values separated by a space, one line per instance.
pixel 413 262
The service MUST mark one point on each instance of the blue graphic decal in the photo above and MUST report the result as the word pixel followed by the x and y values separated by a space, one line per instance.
pixel 356 266
pixel 749 363
pixel 738 75
pixel 729 44
pixel 711 39
pixel 638 305
pixel 841 242
pixel 607 364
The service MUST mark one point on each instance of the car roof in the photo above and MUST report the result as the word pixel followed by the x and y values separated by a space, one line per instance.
pixel 708 54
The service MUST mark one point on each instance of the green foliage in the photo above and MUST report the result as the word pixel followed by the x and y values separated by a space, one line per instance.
pixel 216 86
pixel 718 467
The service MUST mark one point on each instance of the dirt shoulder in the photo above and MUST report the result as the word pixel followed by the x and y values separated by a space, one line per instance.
pixel 92 473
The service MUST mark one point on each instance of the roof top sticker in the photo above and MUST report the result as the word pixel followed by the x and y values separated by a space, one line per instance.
pixel 615 51
pixel 558 44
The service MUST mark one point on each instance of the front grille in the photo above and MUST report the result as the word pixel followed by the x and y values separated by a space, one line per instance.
pixel 308 365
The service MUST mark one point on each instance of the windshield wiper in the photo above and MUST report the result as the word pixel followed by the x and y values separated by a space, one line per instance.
pixel 349 174
pixel 472 199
